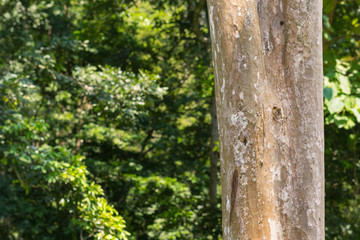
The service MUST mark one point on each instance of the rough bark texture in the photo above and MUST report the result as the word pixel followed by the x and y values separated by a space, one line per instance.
pixel 268 78
pixel 213 157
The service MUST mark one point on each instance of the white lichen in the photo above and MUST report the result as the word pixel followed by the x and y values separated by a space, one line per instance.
pixel 241 62
pixel 212 25
pixel 239 120
pixel 275 230
pixel 241 96
pixel 228 204
pixel 242 227
pixel 223 90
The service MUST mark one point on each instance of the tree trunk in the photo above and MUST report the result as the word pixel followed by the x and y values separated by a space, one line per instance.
pixel 268 80
pixel 213 157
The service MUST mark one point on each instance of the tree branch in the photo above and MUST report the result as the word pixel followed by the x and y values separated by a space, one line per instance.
pixel 196 21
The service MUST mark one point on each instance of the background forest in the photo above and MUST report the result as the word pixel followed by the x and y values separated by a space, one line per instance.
pixel 105 120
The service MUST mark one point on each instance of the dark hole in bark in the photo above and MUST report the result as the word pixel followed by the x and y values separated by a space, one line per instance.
pixel 267 45
pixel 258 7
pixel 276 113
pixel 281 23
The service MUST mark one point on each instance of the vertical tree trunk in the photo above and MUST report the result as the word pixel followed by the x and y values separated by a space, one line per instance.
pixel 213 157
pixel 268 79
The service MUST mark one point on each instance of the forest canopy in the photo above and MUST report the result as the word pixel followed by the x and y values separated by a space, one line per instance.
pixel 105 120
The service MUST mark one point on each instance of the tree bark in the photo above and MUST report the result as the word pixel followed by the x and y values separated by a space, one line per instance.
pixel 213 157
pixel 268 81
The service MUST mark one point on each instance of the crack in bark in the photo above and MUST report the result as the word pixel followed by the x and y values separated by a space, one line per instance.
pixel 234 186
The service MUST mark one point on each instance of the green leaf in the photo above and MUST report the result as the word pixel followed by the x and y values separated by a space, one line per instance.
pixel 344 121
pixel 344 83
pixel 328 93
pixel 335 105
pixel 341 66
pixel 354 21
pixel 356 114
pixel 350 102
pixel 357 102
pixel 351 142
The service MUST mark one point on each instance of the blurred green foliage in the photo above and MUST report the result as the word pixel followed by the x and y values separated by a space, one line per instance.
pixel 342 117
pixel 103 105
pixel 105 120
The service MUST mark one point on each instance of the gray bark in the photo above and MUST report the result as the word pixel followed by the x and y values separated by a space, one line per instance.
pixel 268 81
